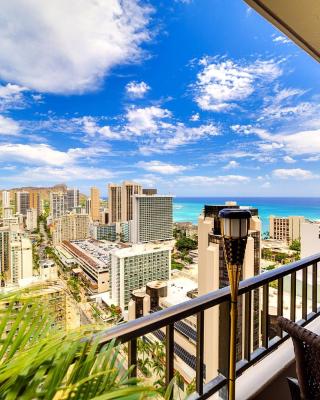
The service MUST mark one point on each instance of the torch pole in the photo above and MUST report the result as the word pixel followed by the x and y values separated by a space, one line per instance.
pixel 234 275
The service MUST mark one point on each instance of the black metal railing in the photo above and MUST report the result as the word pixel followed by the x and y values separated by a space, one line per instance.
pixel 165 319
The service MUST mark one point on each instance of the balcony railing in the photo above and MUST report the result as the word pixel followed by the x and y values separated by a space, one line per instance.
pixel 132 330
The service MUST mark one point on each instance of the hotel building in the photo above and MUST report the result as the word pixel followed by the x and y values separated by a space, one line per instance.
pixel 73 199
pixel 133 267
pixel 58 204
pixel 120 201
pixel 152 218
pixel 22 200
pixel 95 204
pixel 286 229
pixel 212 275
pixel 70 227
pixel 5 199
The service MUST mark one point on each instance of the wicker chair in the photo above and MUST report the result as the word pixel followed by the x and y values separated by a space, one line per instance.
pixel 307 351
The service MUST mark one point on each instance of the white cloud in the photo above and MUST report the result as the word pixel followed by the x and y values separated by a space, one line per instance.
pixel 195 117
pixel 91 128
pixel 299 143
pixel 148 119
pixel 137 89
pixel 11 96
pixel 294 173
pixel 8 126
pixel 231 165
pixel 172 136
pixel 213 180
pixel 37 154
pixel 161 167
pixel 222 83
pixel 75 43
pixel 65 173
pixel 289 160
pixel 281 39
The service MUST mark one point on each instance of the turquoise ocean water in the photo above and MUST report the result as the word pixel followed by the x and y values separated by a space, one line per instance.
pixel 189 208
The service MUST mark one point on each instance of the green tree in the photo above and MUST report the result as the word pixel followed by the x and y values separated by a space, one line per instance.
pixel 295 245
pixel 39 362
pixel 186 244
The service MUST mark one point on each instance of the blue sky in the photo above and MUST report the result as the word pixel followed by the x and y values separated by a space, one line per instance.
pixel 197 98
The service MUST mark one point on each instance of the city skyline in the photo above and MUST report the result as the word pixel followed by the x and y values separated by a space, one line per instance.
pixel 169 99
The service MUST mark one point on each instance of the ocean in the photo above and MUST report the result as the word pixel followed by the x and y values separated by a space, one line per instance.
pixel 189 208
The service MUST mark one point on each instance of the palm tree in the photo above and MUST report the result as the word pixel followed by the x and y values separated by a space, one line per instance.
pixel 41 362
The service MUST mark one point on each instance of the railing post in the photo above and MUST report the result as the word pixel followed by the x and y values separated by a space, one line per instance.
pixel 265 316
pixel 293 292
pixel 247 326
pixel 280 300
pixel 314 287
pixel 305 293
pixel 132 357
pixel 169 354
pixel 199 352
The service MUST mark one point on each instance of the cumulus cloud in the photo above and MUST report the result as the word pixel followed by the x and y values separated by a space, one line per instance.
pixel 8 126
pixel 148 119
pixel 11 96
pixel 69 46
pixel 91 128
pixel 161 167
pixel 34 154
pixel 293 173
pixel 222 83
pixel 195 117
pixel 298 143
pixel 137 89
pixel 231 165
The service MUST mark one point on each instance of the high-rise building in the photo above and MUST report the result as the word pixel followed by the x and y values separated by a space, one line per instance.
pixel 32 219
pixel 73 198
pixel 152 218
pixel 129 189
pixel 20 257
pixel 114 203
pixel 212 275
pixel 95 203
pixel 88 206
pixel 120 200
pixel 4 255
pixel 58 204
pixel 70 227
pixel 22 202
pixel 35 201
pixel 15 256
pixel 5 199
pixel 286 229
pixel 133 267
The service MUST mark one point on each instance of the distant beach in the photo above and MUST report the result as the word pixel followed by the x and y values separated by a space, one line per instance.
pixel 189 208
